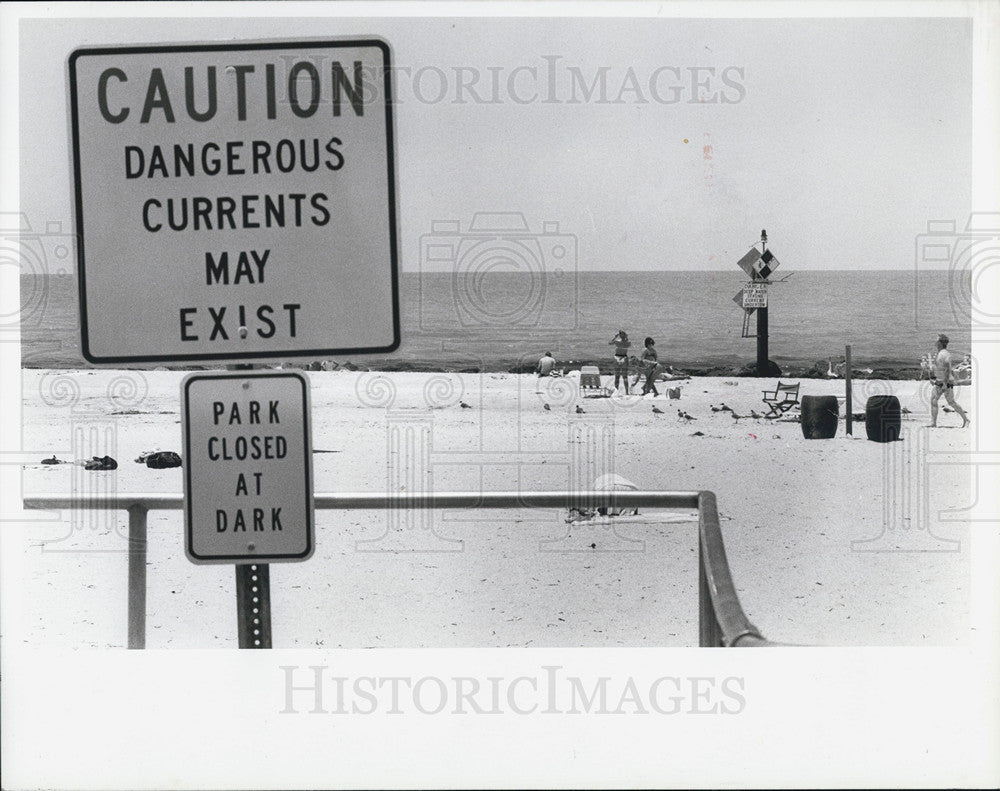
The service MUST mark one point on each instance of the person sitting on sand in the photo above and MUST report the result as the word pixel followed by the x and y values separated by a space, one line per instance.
pixel 652 367
pixel 545 365
pixel 621 344
pixel 944 382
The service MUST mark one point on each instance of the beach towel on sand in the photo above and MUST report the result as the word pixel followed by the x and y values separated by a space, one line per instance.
pixel 606 483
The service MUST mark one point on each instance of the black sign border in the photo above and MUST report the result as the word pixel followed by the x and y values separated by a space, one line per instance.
pixel 238 47
pixel 307 445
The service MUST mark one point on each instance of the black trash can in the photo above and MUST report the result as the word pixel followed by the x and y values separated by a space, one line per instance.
pixel 819 416
pixel 883 418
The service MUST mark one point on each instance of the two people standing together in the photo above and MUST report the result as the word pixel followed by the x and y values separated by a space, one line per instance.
pixel 649 361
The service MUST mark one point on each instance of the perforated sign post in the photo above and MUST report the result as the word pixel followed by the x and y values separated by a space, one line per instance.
pixel 242 185
pixel 248 496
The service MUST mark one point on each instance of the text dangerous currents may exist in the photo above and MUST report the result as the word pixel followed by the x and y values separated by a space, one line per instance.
pixel 162 103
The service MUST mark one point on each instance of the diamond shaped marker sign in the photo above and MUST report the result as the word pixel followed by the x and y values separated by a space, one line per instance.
pixel 739 300
pixel 747 263
pixel 766 265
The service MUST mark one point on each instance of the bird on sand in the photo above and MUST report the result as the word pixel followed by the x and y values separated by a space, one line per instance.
pixel 464 405
pixel 657 410
pixel 579 410
pixel 716 408
pixel 736 417
pixel 754 415
pixel 682 415
pixel 546 407
pixel 724 408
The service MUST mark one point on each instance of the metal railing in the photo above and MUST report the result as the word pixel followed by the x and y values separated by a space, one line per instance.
pixel 721 620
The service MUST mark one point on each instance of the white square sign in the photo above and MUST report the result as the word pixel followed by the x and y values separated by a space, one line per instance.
pixel 248 495
pixel 234 201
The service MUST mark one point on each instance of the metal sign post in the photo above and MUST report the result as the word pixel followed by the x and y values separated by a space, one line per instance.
pixel 758 264
pixel 762 322
pixel 248 497
pixel 253 605
pixel 849 398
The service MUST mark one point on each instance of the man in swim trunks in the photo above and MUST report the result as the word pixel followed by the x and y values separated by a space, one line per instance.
pixel 944 382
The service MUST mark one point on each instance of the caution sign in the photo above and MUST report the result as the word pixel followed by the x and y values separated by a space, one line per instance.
pixel 248 494
pixel 234 201
pixel 754 295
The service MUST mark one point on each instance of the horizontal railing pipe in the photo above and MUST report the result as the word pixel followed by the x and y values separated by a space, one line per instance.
pixel 721 620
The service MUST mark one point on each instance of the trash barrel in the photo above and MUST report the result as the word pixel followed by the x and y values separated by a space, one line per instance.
pixel 819 417
pixel 883 418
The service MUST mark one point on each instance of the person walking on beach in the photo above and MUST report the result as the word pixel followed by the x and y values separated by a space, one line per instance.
pixel 652 367
pixel 621 344
pixel 944 382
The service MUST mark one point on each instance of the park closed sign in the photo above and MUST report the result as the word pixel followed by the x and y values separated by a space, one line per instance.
pixel 234 201
pixel 247 467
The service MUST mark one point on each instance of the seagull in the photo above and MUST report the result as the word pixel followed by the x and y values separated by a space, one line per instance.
pixel 754 415
pixel 464 405
pixel 579 410
pixel 546 407
pixel 685 416
pixel 657 410
pixel 830 371
pixel 725 408
pixel 905 411
pixel 736 417
pixel 716 408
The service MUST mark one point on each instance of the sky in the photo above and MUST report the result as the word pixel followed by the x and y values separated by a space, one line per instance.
pixel 658 144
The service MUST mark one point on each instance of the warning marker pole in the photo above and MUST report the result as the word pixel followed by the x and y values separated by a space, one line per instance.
pixel 762 324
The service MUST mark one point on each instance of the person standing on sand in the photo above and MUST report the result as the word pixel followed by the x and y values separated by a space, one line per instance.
pixel 621 344
pixel 652 367
pixel 943 382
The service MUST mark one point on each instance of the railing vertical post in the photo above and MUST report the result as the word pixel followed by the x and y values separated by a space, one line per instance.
pixel 709 631
pixel 137 575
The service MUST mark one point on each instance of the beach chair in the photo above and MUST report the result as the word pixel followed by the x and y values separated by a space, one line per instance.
pixel 781 399
pixel 590 381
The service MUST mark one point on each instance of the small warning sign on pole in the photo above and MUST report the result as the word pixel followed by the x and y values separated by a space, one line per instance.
pixel 754 295
pixel 248 467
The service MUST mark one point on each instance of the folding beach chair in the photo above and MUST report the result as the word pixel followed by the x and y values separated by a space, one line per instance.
pixel 590 381
pixel 781 399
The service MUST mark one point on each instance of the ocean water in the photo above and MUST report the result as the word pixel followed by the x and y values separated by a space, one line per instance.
pixel 499 321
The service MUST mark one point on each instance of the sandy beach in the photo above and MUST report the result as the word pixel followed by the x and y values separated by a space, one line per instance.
pixel 817 555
